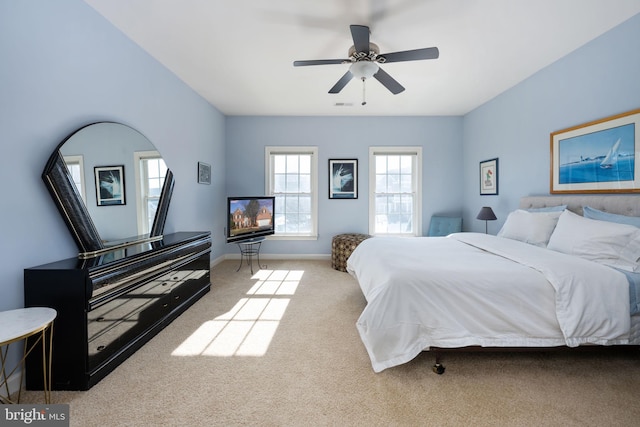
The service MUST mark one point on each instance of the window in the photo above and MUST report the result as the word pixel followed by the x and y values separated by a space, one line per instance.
pixel 75 165
pixel 291 176
pixel 394 191
pixel 150 173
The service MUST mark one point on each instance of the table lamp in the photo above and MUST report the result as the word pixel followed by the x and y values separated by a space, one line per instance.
pixel 486 214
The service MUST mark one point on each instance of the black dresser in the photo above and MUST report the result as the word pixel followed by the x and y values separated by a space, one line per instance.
pixel 112 304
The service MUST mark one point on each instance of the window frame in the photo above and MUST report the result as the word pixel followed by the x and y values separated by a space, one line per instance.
pixel 416 153
pixel 270 151
pixel 141 185
pixel 78 160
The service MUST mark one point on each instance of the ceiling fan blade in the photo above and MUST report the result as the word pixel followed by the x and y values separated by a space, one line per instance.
pixel 320 62
pixel 360 35
pixel 388 82
pixel 412 55
pixel 342 82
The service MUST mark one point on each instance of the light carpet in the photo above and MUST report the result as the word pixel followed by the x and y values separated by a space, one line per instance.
pixel 281 349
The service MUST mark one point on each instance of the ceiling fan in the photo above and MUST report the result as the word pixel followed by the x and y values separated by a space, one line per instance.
pixel 364 58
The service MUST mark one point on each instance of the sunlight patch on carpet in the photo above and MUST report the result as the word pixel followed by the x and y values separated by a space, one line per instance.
pixel 248 328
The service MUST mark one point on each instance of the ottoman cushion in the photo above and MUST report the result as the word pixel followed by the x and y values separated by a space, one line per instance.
pixel 341 247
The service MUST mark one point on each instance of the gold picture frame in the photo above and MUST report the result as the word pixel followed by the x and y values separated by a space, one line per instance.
pixel 597 157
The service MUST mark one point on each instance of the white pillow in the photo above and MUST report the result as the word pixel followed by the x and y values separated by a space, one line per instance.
pixel 616 245
pixel 530 227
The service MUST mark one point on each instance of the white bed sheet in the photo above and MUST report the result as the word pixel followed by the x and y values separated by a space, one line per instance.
pixel 476 289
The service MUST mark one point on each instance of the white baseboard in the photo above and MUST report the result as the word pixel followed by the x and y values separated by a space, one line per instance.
pixel 310 257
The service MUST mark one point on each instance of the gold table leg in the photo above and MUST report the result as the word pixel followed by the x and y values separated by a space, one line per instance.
pixel 5 377
pixel 46 365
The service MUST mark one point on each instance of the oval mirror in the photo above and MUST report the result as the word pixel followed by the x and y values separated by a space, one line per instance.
pixel 111 185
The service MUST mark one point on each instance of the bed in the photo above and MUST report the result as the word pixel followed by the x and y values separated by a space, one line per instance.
pixel 555 276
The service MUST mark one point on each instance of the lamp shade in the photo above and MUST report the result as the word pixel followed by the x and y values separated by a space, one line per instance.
pixel 486 214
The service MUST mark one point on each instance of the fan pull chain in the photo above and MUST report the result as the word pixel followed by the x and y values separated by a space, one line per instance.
pixel 364 102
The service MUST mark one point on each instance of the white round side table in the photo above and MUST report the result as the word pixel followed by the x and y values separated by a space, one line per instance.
pixel 21 324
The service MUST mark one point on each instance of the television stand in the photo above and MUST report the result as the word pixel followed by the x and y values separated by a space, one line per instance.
pixel 248 250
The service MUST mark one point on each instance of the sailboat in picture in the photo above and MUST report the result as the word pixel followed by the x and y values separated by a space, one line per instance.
pixel 611 158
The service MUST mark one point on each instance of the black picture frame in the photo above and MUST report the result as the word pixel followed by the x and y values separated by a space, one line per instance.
pixel 204 173
pixel 489 177
pixel 110 186
pixel 343 178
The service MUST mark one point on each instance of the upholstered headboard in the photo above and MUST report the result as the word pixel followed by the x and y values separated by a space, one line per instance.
pixel 618 204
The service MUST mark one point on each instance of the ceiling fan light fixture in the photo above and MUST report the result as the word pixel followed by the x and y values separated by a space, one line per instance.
pixel 364 69
pixel 364 58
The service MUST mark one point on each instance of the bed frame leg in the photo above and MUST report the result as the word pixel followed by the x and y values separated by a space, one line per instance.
pixel 438 367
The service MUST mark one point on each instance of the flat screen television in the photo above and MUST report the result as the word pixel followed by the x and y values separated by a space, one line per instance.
pixel 250 217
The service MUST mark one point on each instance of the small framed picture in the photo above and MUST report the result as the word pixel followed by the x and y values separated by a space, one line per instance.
pixel 204 173
pixel 343 178
pixel 110 189
pixel 489 177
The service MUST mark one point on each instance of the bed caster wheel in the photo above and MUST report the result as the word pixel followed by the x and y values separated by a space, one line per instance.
pixel 438 369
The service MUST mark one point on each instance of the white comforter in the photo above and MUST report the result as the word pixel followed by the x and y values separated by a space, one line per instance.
pixel 477 289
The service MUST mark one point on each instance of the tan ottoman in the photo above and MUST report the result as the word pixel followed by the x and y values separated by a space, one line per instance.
pixel 341 247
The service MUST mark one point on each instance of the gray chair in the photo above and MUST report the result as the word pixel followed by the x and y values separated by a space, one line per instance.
pixel 444 225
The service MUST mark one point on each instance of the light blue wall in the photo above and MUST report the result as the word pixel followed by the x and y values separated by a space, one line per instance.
pixel 346 137
pixel 63 66
pixel 598 80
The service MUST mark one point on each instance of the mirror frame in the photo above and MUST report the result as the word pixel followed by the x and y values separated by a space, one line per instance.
pixel 75 214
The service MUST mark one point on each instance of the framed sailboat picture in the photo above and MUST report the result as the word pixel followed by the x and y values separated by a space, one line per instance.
pixel 597 157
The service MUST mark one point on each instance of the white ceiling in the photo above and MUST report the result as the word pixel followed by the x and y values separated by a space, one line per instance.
pixel 238 54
